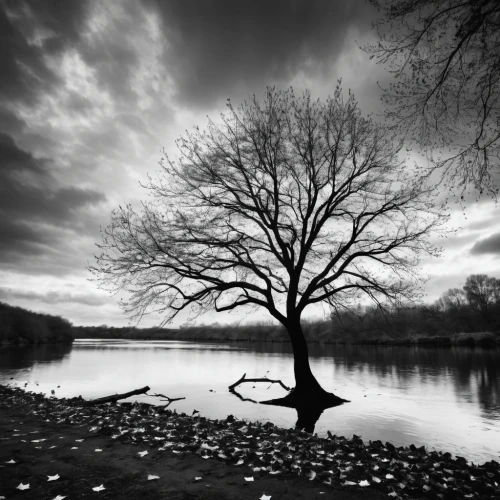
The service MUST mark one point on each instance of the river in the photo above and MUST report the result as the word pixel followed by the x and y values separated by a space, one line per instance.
pixel 445 399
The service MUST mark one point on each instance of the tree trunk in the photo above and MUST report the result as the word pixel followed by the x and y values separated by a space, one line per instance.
pixel 307 397
pixel 307 392
pixel 304 378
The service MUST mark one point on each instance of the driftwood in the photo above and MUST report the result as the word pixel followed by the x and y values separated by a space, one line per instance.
pixel 263 379
pixel 116 397
pixel 170 400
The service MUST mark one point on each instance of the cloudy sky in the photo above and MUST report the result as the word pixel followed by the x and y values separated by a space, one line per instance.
pixel 91 91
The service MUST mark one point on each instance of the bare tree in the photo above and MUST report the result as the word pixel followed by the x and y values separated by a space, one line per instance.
pixel 280 205
pixel 445 57
pixel 453 299
pixel 482 293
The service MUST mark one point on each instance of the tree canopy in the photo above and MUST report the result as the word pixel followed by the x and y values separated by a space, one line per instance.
pixel 281 204
pixel 445 57
pixel 483 294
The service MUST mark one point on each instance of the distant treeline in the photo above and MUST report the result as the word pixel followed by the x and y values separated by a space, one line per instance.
pixel 465 316
pixel 253 332
pixel 462 316
pixel 317 331
pixel 20 326
pixel 471 309
pixel 127 332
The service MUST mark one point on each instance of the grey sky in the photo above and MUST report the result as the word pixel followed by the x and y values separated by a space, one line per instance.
pixel 92 90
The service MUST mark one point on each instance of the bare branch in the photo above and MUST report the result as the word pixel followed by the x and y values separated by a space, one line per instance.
pixel 278 205
pixel 445 57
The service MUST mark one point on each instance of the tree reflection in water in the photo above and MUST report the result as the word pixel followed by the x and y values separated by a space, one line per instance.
pixel 472 370
pixel 308 412
pixel 308 415
pixel 23 357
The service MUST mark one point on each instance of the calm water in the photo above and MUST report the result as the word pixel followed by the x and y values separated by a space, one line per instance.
pixel 445 399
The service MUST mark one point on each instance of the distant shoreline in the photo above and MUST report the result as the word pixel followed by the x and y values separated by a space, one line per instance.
pixel 483 340
pixel 316 332
pixel 26 343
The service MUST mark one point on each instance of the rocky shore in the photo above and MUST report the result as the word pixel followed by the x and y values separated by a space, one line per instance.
pixel 267 457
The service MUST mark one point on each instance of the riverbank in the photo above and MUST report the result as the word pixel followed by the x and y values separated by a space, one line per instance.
pixel 319 332
pixel 40 438
pixel 61 448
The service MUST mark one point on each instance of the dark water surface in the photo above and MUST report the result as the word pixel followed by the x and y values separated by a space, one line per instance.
pixel 446 399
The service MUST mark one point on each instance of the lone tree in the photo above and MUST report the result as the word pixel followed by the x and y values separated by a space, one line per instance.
pixel 279 205
pixel 445 57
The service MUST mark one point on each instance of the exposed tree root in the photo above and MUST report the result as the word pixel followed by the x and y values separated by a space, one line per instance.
pixel 262 379
pixel 243 379
pixel 310 397
pixel 309 402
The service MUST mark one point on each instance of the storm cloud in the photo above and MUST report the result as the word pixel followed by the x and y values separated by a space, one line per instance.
pixel 490 245
pixel 221 49
pixel 29 32
pixel 36 212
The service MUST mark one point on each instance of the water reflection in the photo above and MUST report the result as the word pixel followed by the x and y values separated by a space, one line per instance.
pixel 474 371
pixel 23 357
pixel 308 412
pixel 446 398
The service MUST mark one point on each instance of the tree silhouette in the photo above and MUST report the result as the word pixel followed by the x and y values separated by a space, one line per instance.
pixel 453 298
pixel 483 293
pixel 280 205
pixel 445 57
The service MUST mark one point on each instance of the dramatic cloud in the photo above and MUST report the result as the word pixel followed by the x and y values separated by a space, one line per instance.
pixel 222 49
pixel 75 121
pixel 37 214
pixel 84 100
pixel 490 245
pixel 29 32
pixel 28 188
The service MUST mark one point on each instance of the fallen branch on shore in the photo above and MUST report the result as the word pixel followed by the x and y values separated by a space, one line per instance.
pixel 242 380
pixel 117 397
